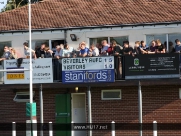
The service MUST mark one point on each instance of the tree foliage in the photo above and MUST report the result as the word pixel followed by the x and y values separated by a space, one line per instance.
pixel 13 4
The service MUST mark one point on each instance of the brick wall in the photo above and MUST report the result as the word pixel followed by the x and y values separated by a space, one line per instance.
pixel 159 103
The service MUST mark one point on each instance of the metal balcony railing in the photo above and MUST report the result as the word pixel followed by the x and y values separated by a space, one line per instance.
pixel 154 65
pixel 144 66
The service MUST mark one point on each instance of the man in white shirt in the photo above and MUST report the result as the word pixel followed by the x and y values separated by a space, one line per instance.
pixel 58 53
pixel 67 51
pixel 27 51
pixel 95 50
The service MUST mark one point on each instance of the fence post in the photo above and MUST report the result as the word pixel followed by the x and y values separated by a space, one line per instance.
pixel 113 128
pixel 72 128
pixel 154 128
pixel 13 128
pixel 50 129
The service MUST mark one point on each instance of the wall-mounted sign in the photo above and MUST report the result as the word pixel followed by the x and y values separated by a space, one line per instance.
pixel 42 71
pixel 149 66
pixel 88 69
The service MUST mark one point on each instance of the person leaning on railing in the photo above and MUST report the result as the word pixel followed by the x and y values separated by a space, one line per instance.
pixel 67 51
pixel 160 48
pixel 117 49
pixel 93 51
pixel 144 48
pixel 59 52
pixel 6 54
pixel 27 51
pixel 137 50
pixel 171 47
pixel 127 50
pixel 99 47
pixel 152 47
pixel 40 51
pixel 105 47
pixel 13 54
pixel 177 46
pixel 84 50
pixel 48 52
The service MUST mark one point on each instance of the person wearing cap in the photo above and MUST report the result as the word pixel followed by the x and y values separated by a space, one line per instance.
pixel 27 51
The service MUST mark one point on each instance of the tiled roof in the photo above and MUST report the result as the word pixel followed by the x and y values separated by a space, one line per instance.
pixel 77 13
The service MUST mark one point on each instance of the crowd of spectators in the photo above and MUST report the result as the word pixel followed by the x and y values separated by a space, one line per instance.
pixel 100 49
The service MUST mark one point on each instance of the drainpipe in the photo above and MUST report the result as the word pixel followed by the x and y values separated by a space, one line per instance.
pixel 41 109
pixel 65 36
pixel 140 108
pixel 89 108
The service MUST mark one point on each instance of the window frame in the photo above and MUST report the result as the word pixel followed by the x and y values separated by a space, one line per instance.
pixel 111 90
pixel 108 38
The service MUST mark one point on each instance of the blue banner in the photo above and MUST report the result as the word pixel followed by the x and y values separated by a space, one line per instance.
pixel 88 76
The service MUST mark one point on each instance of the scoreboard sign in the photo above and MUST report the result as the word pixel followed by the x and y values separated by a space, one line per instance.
pixel 88 69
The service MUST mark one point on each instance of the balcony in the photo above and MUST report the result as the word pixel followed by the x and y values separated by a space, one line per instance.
pixel 148 66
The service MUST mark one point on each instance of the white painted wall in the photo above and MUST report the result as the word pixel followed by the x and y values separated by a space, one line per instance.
pixel 134 34
pixel 18 39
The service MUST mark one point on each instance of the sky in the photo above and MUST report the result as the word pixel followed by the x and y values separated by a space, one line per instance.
pixel 2 3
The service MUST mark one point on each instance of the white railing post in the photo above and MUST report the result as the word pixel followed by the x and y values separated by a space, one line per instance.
pixel 154 128
pixel 34 127
pixel 50 129
pixel 13 128
pixel 72 128
pixel 113 128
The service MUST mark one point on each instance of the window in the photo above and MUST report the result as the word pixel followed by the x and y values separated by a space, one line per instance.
pixel 2 44
pixel 56 42
pixel 172 37
pixel 150 38
pixel 37 43
pixel 97 40
pixel 111 94
pixel 119 40
pixel 22 97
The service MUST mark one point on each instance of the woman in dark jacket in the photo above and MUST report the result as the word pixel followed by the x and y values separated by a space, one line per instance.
pixel 48 53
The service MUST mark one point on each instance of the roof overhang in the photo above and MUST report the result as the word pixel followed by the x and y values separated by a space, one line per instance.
pixel 92 27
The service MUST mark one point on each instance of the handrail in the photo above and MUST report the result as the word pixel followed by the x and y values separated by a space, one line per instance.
pixel 119 64
pixel 10 70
